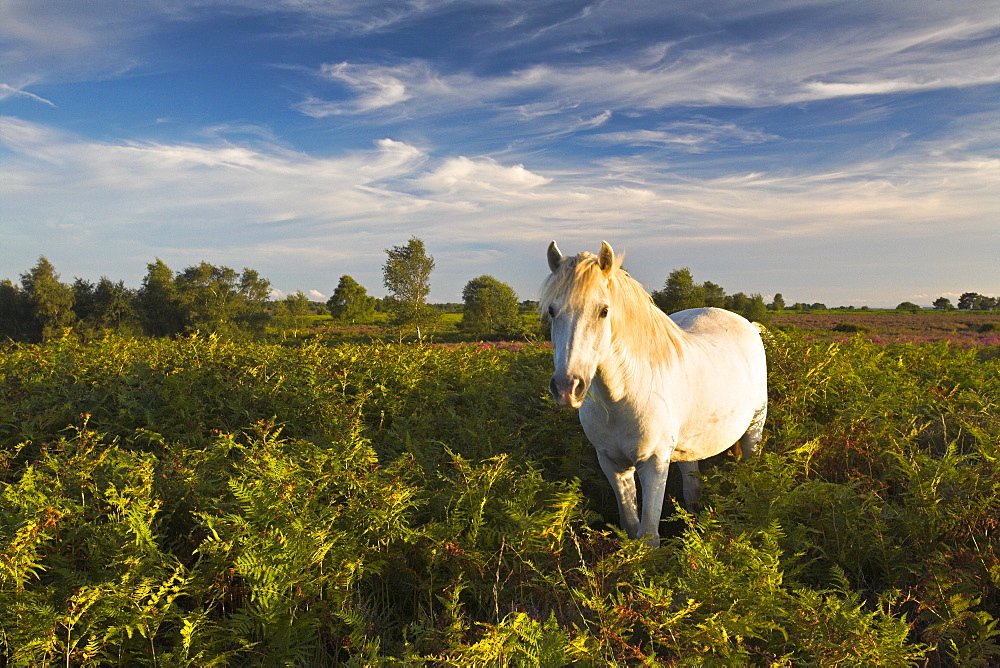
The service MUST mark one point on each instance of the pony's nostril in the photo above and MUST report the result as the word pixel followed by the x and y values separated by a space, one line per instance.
pixel 553 386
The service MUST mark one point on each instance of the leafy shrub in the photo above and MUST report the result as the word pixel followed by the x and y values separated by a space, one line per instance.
pixel 850 328
pixel 201 502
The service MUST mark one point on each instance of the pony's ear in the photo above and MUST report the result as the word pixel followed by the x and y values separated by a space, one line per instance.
pixel 554 256
pixel 606 258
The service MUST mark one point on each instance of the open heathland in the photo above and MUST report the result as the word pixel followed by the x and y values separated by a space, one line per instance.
pixel 958 327
pixel 196 502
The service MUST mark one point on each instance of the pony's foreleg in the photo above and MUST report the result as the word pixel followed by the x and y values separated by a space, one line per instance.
pixel 622 481
pixel 653 477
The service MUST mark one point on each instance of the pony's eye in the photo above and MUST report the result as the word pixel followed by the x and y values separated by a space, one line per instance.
pixel 604 312
pixel 552 311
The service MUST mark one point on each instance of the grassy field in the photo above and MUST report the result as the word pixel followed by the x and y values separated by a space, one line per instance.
pixel 199 502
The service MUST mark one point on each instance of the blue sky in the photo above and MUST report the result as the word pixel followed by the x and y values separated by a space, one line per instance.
pixel 843 152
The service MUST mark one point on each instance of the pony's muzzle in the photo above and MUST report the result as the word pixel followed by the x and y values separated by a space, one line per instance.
pixel 568 392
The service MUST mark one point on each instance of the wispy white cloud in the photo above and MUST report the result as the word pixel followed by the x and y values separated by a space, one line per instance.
pixel 693 136
pixel 7 91
pixel 375 88
pixel 930 43
pixel 737 77
pixel 274 208
pixel 865 54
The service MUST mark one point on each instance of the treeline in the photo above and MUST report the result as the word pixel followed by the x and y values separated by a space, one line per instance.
pixel 217 299
pixel 220 300
pixel 969 301
pixel 681 292
pixel 202 298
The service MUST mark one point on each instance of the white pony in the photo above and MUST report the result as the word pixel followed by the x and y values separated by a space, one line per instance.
pixel 651 388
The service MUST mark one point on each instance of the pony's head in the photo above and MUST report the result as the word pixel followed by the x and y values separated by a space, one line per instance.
pixel 577 300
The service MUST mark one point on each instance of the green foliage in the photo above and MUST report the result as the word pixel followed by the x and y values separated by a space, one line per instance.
pixel 681 292
pixel 713 295
pixel 297 305
pixel 50 302
pixel 16 322
pixel 406 274
pixel 943 304
pixel 491 308
pixel 159 301
pixel 752 308
pixel 974 301
pixel 199 501
pixel 105 306
pixel 292 314
pixel 350 302
pixel 778 303
pixel 202 298
pixel 851 328
pixel 220 300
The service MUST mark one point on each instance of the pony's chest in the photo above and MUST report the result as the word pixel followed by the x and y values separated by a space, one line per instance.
pixel 626 435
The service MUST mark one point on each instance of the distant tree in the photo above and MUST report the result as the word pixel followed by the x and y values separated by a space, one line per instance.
pixel 51 302
pixel 738 303
pixel 490 308
pixel 217 299
pixel 778 303
pixel 159 301
pixel 967 301
pixel 350 302
pixel 203 298
pixel 297 305
pixel 943 304
pixel 255 289
pixel 713 295
pixel 106 305
pixel 984 303
pixel 756 309
pixel 16 322
pixel 406 274
pixel 817 306
pixel 909 307
pixel 84 301
pixel 976 302
pixel 752 308
pixel 292 311
pixel 679 292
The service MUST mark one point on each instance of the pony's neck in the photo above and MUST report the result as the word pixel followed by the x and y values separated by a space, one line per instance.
pixel 644 341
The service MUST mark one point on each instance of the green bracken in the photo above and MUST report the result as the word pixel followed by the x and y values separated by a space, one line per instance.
pixel 198 502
